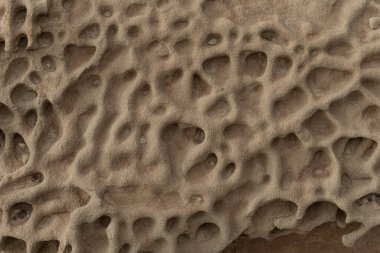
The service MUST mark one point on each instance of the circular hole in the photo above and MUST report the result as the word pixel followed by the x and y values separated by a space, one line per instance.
pixel 22 42
pixel 298 49
pixel 153 20
pixel 247 38
pixel 194 134
pixel 90 32
pixel 196 198
pixel 22 95
pixel 130 75
pixel 104 221
pixel 300 67
pixel 45 39
pixel 143 226
pixel 171 224
pixel 160 109
pixel 314 52
pixel 30 118
pixel 35 77
pixel 68 4
pixel 199 135
pixel 180 24
pixel 19 16
pixel 145 90
pixel 233 34
pixel 105 11
pixel 207 231
pixel 133 31
pixel 68 249
pixel 213 39
pixel 124 249
pixel 42 18
pixel 228 170
pixel 48 63
pixel 266 179
pixel 36 177
pixel 22 214
pixel 19 213
pixel 112 30
pixel 183 238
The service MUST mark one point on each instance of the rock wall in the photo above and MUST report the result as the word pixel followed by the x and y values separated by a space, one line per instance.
pixel 180 125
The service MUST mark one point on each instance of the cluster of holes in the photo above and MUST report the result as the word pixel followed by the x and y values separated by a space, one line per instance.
pixel 255 64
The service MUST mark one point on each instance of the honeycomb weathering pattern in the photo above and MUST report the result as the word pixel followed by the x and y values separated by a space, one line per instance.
pixel 178 125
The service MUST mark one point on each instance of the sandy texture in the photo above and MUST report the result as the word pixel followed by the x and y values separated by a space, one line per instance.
pixel 180 125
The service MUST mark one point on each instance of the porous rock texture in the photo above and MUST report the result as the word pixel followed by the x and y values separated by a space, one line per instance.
pixel 180 125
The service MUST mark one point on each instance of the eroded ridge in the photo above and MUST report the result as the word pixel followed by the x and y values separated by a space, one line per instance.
pixel 178 125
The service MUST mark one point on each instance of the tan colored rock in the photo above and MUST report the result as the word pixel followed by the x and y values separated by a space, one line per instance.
pixel 374 23
pixel 182 125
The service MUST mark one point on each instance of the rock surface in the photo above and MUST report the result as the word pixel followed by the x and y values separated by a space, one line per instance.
pixel 182 125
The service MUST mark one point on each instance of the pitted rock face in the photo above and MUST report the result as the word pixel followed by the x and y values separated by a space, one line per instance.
pixel 180 125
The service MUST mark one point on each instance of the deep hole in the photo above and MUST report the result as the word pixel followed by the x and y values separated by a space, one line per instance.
pixel 341 215
pixel 268 34
pixel 172 223
pixel 124 249
pixel 104 221
pixel 105 11
pixel 36 177
pixel 47 107
pixel 182 238
pixel 9 244
pixel 47 246
pixel 19 15
pixel 48 63
pixel 68 4
pixel 42 18
pixel 130 75
pixel 35 77
pixel 133 31
pixel 17 138
pixel 22 42
pixel 2 46
pixel 20 212
pixel 112 30
pixel 266 179
pixel 213 39
pixel 228 170
pixel 68 249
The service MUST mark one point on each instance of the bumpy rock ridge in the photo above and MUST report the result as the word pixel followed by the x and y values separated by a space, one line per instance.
pixel 178 125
